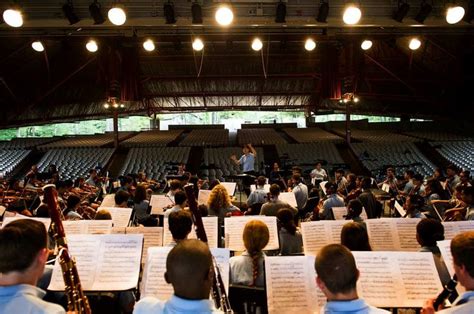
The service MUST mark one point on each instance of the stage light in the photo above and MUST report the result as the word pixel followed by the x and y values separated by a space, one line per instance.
pixel 257 44
pixel 69 13
pixel 366 44
pixel 168 9
pixel 454 14
pixel 92 46
pixel 425 10
pixel 402 11
pixel 96 13
pixel 13 17
pixel 280 16
pixel 323 12
pixel 198 44
pixel 37 46
pixel 224 16
pixel 196 12
pixel 415 43
pixel 117 16
pixel 309 44
pixel 352 15
pixel 149 45
pixel 106 106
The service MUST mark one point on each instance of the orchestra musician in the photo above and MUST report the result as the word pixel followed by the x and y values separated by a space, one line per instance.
pixel 318 175
pixel 391 181
pixel 247 161
pixel 275 177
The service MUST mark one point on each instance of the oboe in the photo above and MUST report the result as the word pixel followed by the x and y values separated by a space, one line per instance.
pixel 449 288
pixel 77 302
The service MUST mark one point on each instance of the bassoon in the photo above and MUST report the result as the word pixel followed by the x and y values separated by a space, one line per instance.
pixel 219 294
pixel 77 301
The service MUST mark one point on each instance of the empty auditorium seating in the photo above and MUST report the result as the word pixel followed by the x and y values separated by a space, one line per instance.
pixel 212 137
pixel 460 153
pixel 379 136
pixel 218 164
pixel 25 143
pixel 155 161
pixel 259 137
pixel 152 138
pixel 308 154
pixel 10 159
pixel 96 140
pixel 438 136
pixel 309 135
pixel 75 162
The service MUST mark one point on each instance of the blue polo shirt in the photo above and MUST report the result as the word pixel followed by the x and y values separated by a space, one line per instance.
pixel 247 162
pixel 357 306
pixel 26 299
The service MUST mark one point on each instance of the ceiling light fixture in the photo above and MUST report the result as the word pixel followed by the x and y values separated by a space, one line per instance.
pixel 414 44
pixel 96 12
pixel 149 45
pixel 37 46
pixel 425 10
pixel 117 15
pixel 366 44
pixel 352 15
pixel 13 17
pixel 92 46
pixel 323 12
pixel 454 14
pixel 198 44
pixel 168 10
pixel 68 10
pixel 224 15
pixel 257 44
pixel 402 11
pixel 196 12
pixel 309 44
pixel 280 15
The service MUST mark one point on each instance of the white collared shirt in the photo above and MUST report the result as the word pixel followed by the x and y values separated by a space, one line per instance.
pixel 175 305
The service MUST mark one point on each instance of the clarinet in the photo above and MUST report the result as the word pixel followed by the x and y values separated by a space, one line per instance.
pixel 77 302
pixel 449 288
pixel 219 294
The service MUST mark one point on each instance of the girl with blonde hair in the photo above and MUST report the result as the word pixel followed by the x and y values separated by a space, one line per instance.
pixel 219 203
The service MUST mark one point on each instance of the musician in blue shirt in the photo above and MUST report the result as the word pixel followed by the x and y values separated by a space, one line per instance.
pixel 247 160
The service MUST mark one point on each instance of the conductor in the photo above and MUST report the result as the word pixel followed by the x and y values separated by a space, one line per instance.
pixel 247 161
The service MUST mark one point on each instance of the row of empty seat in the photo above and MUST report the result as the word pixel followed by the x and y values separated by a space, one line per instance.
pixel 380 136
pixel 10 159
pixel 154 161
pixel 309 154
pixel 26 143
pixel 460 153
pixel 439 136
pixel 259 137
pixel 75 162
pixel 310 135
pixel 96 140
pixel 152 138
pixel 203 138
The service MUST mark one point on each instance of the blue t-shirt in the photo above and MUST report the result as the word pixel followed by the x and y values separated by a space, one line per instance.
pixel 247 162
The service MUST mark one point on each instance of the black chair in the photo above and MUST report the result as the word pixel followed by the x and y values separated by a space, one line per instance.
pixel 244 299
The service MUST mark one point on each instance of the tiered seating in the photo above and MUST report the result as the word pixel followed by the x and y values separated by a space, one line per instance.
pixel 308 154
pixel 214 137
pixel 219 163
pixel 310 135
pixel 154 161
pixel 96 140
pixel 438 136
pixel 460 153
pixel 379 136
pixel 10 159
pixel 259 137
pixel 75 162
pixel 401 155
pixel 25 143
pixel 152 138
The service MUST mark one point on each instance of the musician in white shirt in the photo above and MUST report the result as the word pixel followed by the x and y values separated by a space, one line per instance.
pixel 318 174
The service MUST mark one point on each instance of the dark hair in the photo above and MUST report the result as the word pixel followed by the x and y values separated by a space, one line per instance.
pixel 355 206
pixel 331 186
pixel 417 201
pixel 287 220
pixel 261 180
pixel 296 177
pixel 436 188
pixel 418 177
pixel 468 191
pixel 462 250
pixel 126 180
pixel 354 236
pixel 140 194
pixel 180 224
pixel 274 190
pixel 213 183
pixel 180 198
pixel 452 167
pixel 73 201
pixel 103 214
pixel 336 268
pixel 91 171
pixel 121 197
pixel 366 183
pixel 429 231
pixel 341 171
pixel 391 169
pixel 410 173
pixel 20 242
pixel 175 185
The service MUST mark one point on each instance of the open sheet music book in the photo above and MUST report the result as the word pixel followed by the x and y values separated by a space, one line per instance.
pixel 120 216
pixel 203 196
pixel 288 197
pixel 234 228
pixel 340 213
pixel 317 234
pixel 452 228
pixel 108 201
pixel 154 284
pixel 105 262
pixel 387 279
pixel 210 225
pixel 159 202
pixel 8 219
pixel 87 227
pixel 445 248
pixel 230 187
pixel 152 236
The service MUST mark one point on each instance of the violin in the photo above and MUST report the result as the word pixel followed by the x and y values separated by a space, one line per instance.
pixel 353 195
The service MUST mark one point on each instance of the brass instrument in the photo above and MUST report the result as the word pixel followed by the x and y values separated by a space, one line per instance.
pixel 77 302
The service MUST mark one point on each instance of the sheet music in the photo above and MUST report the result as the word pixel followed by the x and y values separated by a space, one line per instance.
pixel 385 187
pixel 152 236
pixel 87 226
pixel 400 209
pixel 340 212
pixel 2 210
pixel 266 188
pixel 291 286
pixel 108 201
pixel 120 216
pixel 445 248
pixel 203 196
pixel 452 228
pixel 322 186
pixel 210 225
pixel 288 197
pixel 118 230
pixel 230 187
pixel 234 228
pixel 393 234
pixel 154 283
pixel 317 234
pixel 8 219
pixel 105 262
pixel 158 202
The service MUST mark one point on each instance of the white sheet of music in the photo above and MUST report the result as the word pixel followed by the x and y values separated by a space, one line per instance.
pixel 288 197
pixel 385 187
pixel 118 230
pixel 452 228
pixel 152 236
pixel 400 209
pixel 234 228
pixel 210 225
pixel 8 219
pixel 120 216
pixel 108 201
pixel 158 202
pixel 340 212
pixel 230 187
pixel 445 248
pixel 323 187
pixel 266 188
pixel 203 196
pixel 393 234
pixel 291 286
pixel 105 262
pixel 154 283
pixel 317 234
pixel 87 227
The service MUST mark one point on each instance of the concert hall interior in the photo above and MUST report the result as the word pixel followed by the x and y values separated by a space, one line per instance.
pixel 217 156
